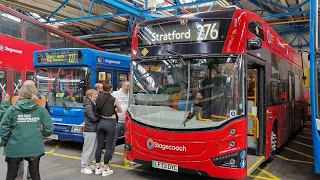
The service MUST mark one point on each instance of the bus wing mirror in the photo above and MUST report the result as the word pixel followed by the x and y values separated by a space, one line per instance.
pixel 102 76
pixel 306 78
pixel 254 43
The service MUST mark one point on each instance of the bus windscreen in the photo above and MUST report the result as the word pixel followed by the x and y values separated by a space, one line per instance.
pixel 60 57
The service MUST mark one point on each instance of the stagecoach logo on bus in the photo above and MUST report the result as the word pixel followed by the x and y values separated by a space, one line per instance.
pixel 153 144
pixel 101 59
pixel 11 50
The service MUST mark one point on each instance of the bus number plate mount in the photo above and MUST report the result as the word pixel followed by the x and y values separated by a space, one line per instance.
pixel 165 166
pixel 53 136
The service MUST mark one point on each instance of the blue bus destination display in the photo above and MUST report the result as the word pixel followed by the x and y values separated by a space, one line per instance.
pixel 60 57
pixel 195 31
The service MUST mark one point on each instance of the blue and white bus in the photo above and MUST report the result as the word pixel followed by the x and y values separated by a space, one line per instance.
pixel 64 76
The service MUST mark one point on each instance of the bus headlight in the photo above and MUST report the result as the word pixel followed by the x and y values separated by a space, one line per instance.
pixel 232 144
pixel 233 131
pixel 77 129
pixel 233 160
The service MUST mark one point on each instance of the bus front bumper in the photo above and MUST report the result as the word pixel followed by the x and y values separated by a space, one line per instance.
pixel 67 136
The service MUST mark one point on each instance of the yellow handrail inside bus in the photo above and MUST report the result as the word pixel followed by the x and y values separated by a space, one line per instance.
pixel 219 117
pixel 255 129
pixel 202 119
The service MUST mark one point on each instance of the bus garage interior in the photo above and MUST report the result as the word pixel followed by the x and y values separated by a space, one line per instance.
pixel 168 102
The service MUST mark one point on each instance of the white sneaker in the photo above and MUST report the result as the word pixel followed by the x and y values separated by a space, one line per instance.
pixel 107 172
pixel 86 171
pixel 98 171
pixel 92 167
pixel 132 163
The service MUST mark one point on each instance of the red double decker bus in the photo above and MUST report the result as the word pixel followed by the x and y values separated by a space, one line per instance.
pixel 213 93
pixel 20 36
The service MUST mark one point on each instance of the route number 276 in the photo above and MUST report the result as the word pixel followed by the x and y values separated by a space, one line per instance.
pixel 208 32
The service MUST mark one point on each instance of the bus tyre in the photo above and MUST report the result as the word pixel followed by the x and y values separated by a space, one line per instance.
pixel 273 147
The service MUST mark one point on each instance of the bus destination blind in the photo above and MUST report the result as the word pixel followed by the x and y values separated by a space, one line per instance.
pixel 192 31
pixel 60 57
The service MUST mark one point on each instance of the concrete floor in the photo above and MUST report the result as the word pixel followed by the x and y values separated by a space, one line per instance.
pixel 62 161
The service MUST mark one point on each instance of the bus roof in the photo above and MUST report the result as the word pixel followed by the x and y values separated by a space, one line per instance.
pixel 124 57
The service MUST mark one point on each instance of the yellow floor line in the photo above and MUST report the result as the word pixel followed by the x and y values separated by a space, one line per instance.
pixel 302 144
pixel 119 153
pixel 269 174
pixel 298 152
pixel 266 168
pixel 260 177
pixel 255 165
pixel 79 158
pixel 293 160
pixel 305 137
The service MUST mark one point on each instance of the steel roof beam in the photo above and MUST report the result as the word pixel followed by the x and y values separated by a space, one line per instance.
pixel 105 35
pixel 285 14
pixel 262 6
pixel 126 8
pixel 300 5
pixel 57 10
pixel 88 18
pixel 184 5
pixel 276 5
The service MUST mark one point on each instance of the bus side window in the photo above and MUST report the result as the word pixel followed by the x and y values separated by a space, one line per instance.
pixel 4 80
pixel 104 76
pixel 29 75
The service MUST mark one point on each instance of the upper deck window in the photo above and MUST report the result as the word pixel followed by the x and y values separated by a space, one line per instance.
pixel 257 29
pixel 10 25
pixel 35 33
pixel 57 41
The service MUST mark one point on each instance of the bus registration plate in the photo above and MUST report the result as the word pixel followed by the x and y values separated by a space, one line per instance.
pixel 53 136
pixel 165 166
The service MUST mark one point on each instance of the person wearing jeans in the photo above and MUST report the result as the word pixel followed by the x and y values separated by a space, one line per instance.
pixel 122 95
pixel 90 132
pixel 107 107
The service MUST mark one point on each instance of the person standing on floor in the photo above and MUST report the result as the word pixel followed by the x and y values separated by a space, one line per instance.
pixel 122 95
pixel 42 102
pixel 107 108
pixel 21 135
pixel 90 132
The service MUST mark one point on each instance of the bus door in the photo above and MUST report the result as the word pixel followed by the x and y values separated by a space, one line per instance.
pixel 121 76
pixel 4 80
pixel 292 102
pixel 16 81
pixel 106 75
pixel 256 106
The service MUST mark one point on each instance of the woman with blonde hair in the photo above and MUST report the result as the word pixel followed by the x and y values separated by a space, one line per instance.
pixel 21 134
pixel 91 120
